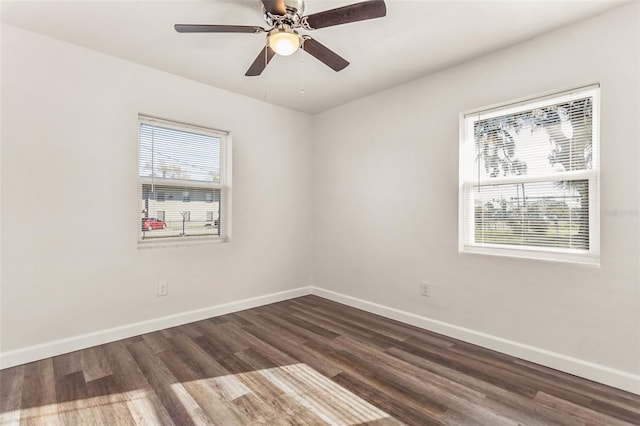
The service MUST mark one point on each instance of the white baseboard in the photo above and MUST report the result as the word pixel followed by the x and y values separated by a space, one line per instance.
pixel 62 346
pixel 598 373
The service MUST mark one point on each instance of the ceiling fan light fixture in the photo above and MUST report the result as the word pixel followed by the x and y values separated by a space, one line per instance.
pixel 284 17
pixel 284 42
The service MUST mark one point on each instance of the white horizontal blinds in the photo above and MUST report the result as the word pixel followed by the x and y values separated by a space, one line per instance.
pixel 544 141
pixel 535 214
pixel 529 179
pixel 181 180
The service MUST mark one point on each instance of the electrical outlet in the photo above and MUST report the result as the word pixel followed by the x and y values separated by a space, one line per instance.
pixel 425 289
pixel 163 288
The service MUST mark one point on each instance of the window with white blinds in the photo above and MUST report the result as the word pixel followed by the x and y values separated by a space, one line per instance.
pixel 184 181
pixel 529 178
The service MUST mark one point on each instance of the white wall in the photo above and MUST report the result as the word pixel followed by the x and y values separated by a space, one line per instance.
pixel 383 172
pixel 385 207
pixel 70 218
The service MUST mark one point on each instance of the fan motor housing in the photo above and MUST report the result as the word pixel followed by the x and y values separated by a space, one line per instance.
pixel 294 8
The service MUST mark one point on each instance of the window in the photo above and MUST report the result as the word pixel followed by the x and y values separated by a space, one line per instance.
pixel 181 163
pixel 209 216
pixel 529 178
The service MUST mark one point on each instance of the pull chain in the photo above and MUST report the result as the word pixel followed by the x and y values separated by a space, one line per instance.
pixel 266 62
pixel 302 70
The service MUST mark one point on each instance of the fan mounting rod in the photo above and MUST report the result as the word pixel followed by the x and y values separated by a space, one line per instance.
pixel 283 11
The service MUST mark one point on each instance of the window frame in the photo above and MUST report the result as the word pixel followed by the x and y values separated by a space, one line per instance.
pixel 224 185
pixel 466 229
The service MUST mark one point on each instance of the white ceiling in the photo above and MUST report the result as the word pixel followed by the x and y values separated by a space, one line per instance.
pixel 416 38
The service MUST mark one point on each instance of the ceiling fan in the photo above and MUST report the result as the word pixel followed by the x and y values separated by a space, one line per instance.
pixel 284 17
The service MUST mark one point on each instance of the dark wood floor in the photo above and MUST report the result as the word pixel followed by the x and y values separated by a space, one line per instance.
pixel 304 361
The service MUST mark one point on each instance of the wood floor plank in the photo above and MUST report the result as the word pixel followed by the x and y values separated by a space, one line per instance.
pixel 356 372
pixel 254 411
pixel 587 415
pixel 292 412
pixel 257 344
pixel 189 330
pixel 381 325
pixel 603 399
pixel 70 387
pixel 285 315
pixel 67 363
pixel 625 412
pixel 556 386
pixel 197 358
pixel 144 409
pixel 39 393
pixel 486 372
pixel 143 404
pixel 264 389
pixel 234 365
pixel 71 395
pixel 259 341
pixel 209 393
pixel 403 386
pixel 526 412
pixel 395 406
pixel 179 404
pixel 157 342
pixel 180 370
pixel 517 405
pixel 304 361
pixel 293 329
pixel 11 386
pixel 112 402
pixel 296 352
pixel 255 360
pixel 217 409
pixel 394 366
pixel 213 349
pixel 337 325
pixel 94 364
pixel 219 337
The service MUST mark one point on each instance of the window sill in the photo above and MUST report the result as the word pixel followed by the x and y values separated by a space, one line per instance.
pixel 180 242
pixel 580 258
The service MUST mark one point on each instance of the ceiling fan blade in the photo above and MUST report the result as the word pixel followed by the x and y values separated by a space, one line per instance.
pixel 324 54
pixel 264 57
pixel 195 28
pixel 275 7
pixel 347 14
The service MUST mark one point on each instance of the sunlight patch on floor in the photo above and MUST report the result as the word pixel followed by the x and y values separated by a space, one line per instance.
pixel 134 404
pixel 280 395
pixel 263 396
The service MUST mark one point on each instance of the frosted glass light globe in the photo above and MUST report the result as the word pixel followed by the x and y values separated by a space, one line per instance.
pixel 284 43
